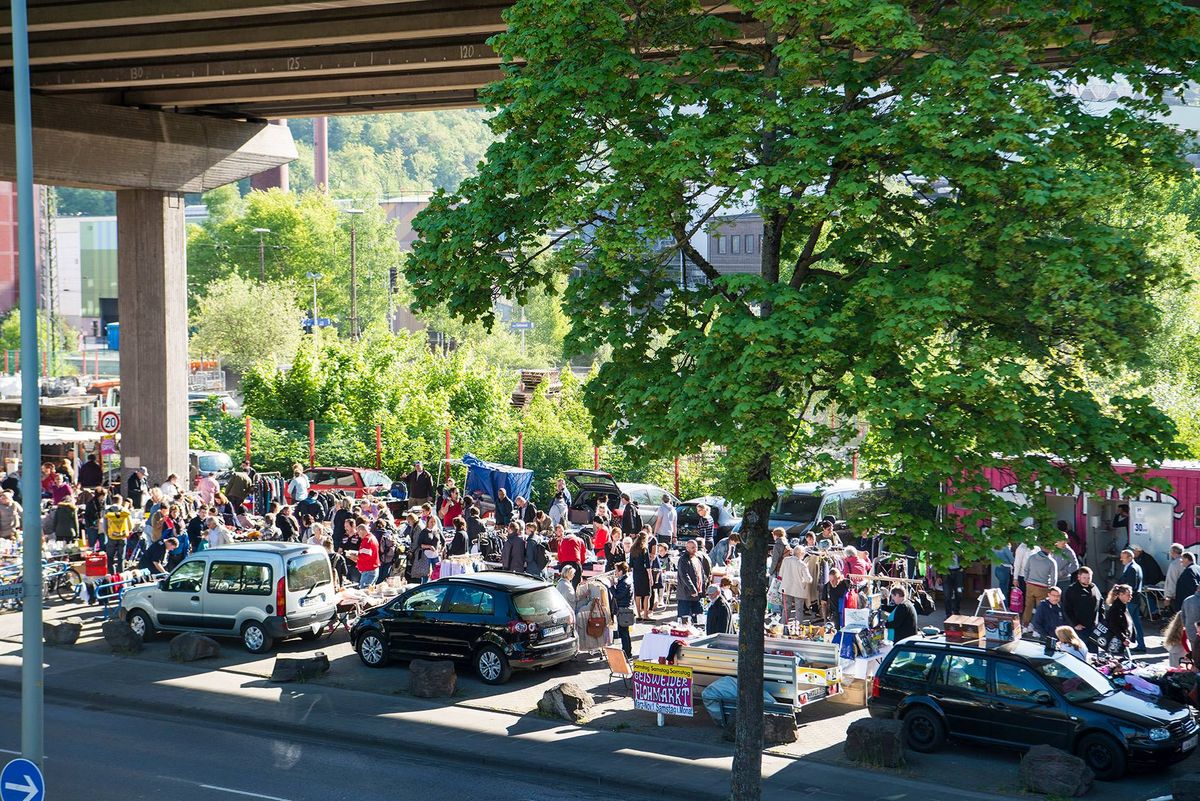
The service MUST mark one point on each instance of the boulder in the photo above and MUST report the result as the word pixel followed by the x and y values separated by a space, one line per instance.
pixel 64 632
pixel 1051 771
pixel 431 678
pixel 286 670
pixel 120 637
pixel 1186 788
pixel 189 646
pixel 878 742
pixel 567 701
pixel 779 729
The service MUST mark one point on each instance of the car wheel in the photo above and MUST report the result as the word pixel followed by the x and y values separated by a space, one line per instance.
pixel 255 638
pixel 924 731
pixel 492 665
pixel 1103 755
pixel 372 650
pixel 139 621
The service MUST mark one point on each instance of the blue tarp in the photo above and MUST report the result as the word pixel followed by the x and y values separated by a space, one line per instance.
pixel 488 477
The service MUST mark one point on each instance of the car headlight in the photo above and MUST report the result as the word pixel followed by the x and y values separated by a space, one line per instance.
pixel 1159 735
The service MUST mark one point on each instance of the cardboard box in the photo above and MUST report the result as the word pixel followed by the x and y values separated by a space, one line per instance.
pixel 1001 626
pixel 961 628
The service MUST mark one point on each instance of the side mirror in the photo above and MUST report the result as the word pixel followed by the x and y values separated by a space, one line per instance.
pixel 1043 698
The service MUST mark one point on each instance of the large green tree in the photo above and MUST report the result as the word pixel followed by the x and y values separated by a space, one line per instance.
pixel 936 263
pixel 306 233
pixel 246 323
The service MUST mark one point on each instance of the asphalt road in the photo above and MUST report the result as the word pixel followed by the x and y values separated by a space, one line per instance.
pixel 95 755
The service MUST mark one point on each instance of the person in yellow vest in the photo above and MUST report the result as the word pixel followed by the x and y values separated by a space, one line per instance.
pixel 118 523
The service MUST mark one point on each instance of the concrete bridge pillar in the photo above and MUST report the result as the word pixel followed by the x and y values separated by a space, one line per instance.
pixel 152 275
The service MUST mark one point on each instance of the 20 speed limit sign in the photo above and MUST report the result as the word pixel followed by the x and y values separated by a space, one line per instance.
pixel 110 421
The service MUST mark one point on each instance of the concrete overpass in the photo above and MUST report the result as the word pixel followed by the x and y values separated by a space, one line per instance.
pixel 153 99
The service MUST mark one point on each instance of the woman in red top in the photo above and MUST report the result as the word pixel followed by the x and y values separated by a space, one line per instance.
pixel 451 508
pixel 600 540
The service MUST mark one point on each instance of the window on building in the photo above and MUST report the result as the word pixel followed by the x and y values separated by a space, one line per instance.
pixel 749 243
pixel 721 245
pixel 735 244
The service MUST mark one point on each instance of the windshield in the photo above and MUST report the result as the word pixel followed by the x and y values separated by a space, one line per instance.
pixel 540 606
pixel 1075 679
pixel 796 508
pixel 688 516
pixel 307 571
pixel 215 462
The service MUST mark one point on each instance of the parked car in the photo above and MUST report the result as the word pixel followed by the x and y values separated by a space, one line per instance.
pixel 209 463
pixel 725 518
pixel 589 486
pixel 261 592
pixel 1019 695
pixel 358 482
pixel 800 507
pixel 496 621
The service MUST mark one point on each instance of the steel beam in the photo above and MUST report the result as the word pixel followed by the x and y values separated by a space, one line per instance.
pixel 248 93
pixel 112 147
pixel 287 35
pixel 468 53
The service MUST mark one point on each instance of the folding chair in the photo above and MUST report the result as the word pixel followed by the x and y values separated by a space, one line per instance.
pixel 618 665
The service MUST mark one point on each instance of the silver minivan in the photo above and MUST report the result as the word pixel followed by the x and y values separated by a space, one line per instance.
pixel 260 592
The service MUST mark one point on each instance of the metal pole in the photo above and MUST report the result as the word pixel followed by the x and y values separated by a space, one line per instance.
pixel 676 476
pixel 31 447
pixel 312 444
pixel 353 280
pixel 520 449
pixel 378 446
pixel 595 458
pixel 262 260
pixel 247 438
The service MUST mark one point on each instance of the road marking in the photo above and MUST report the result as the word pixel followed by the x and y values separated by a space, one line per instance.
pixel 243 792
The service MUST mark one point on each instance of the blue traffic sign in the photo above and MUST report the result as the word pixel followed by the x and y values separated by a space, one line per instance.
pixel 521 325
pixel 322 322
pixel 21 780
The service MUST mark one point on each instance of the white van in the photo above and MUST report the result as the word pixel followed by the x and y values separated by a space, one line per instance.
pixel 260 592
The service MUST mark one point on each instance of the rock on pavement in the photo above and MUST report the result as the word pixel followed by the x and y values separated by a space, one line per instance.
pixel 64 632
pixel 779 729
pixel 120 637
pixel 299 669
pixel 1051 771
pixel 876 741
pixel 430 678
pixel 567 701
pixel 189 646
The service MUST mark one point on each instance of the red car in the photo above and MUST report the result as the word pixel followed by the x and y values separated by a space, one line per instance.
pixel 357 482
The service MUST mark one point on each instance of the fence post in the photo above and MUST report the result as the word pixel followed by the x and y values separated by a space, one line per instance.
pixel 596 458
pixel 378 446
pixel 676 476
pixel 520 449
pixel 247 439
pixel 312 444
pixel 854 465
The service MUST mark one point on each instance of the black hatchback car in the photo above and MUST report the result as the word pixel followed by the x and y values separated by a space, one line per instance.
pixel 496 621
pixel 1019 695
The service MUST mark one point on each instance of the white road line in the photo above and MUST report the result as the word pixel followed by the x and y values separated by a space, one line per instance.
pixel 242 792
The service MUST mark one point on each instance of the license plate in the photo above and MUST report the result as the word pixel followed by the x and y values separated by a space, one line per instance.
pixel 1190 742
pixel 553 631
pixel 312 599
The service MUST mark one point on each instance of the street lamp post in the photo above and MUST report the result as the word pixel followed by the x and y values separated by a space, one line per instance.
pixel 315 277
pixel 262 254
pixel 354 272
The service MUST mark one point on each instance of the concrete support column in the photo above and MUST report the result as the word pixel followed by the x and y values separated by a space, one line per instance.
pixel 152 304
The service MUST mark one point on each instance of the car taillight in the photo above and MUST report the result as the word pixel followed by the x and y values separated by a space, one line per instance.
pixel 519 627
pixel 875 687
pixel 281 597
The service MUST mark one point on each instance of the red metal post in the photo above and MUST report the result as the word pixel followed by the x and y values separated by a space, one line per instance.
pixel 45 365
pixel 854 465
pixel 520 449
pixel 596 458
pixel 447 457
pixel 312 444
pixel 247 438
pixel 378 446
pixel 676 476
pixel 6 370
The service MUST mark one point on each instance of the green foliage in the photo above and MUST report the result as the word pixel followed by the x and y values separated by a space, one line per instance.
pixel 247 323
pixel 308 234
pixel 74 202
pixel 385 155
pixel 65 338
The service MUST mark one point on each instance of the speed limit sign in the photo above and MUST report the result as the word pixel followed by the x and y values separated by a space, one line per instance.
pixel 110 421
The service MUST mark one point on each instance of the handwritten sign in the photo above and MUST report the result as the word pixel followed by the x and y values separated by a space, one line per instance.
pixel 665 689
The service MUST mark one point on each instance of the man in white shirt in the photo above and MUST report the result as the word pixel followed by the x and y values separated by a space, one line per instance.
pixel 298 486
pixel 1174 568
pixel 666 521
pixel 170 489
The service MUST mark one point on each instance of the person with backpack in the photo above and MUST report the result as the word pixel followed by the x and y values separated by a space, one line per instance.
pixel 389 549
pixel 512 555
pixel 537 557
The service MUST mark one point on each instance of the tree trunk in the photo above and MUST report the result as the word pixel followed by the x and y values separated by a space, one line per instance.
pixel 746 784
